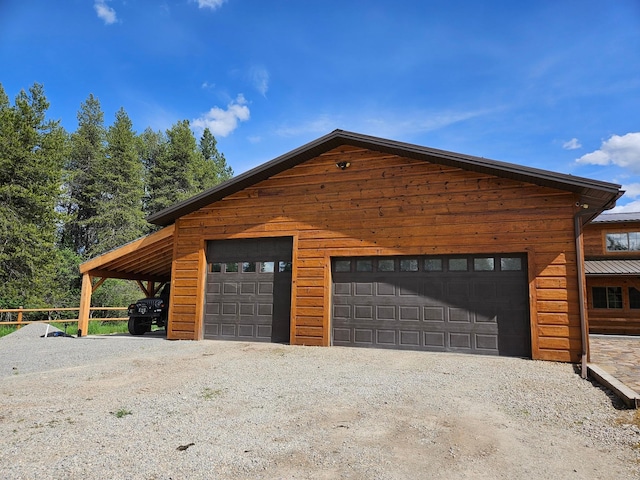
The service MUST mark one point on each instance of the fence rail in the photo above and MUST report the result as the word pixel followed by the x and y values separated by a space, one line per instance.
pixel 53 318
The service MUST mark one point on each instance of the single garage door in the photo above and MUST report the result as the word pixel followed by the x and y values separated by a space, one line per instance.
pixel 248 291
pixel 471 304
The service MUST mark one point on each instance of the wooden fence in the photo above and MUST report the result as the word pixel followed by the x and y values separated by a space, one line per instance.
pixel 54 315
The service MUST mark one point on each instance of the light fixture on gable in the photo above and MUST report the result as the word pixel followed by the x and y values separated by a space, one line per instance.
pixel 343 165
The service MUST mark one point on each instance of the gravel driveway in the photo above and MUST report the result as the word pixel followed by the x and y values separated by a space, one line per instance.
pixel 146 408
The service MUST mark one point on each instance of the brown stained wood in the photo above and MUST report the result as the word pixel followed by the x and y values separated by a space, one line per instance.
pixel 559 343
pixel 387 205
pixel 559 331
pixel 551 282
pixel 302 320
pixel 304 331
pixel 557 294
pixel 545 318
pixel 552 306
pixel 309 341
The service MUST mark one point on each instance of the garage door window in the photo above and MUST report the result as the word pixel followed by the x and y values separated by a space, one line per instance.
pixel 433 265
pixel 248 267
pixel 342 266
pixel 409 265
pixel 267 267
pixel 457 264
pixel 510 264
pixel 483 264
pixel 364 265
pixel 386 265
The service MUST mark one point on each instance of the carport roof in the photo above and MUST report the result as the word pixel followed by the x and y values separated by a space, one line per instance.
pixel 596 194
pixel 148 258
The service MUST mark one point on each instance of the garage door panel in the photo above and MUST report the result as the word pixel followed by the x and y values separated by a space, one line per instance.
pixel 385 289
pixel 248 290
pixel 342 311
pixel 434 314
pixel 459 315
pixel 434 340
pixel 433 308
pixel 410 313
pixel 410 338
pixel 386 312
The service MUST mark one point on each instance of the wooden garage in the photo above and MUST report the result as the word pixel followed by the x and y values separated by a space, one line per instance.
pixel 385 244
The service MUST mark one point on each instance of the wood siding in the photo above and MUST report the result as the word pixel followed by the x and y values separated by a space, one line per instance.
pixel 389 205
pixel 625 321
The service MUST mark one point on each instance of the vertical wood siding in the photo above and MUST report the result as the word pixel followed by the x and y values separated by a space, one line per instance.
pixel 389 205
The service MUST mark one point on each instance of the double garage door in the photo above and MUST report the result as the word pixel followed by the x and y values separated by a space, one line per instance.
pixel 471 304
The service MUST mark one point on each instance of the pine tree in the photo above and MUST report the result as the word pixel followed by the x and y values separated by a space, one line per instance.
pixel 173 176
pixel 118 181
pixel 151 149
pixel 88 153
pixel 213 168
pixel 32 151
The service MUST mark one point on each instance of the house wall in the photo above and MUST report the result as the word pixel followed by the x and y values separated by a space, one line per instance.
pixel 389 205
pixel 624 321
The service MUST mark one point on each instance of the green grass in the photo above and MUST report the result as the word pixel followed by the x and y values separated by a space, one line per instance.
pixel 95 328
pixel 123 412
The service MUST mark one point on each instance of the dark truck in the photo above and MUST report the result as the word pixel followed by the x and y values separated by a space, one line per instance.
pixel 149 311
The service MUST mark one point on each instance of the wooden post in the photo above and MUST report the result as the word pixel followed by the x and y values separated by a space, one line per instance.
pixel 20 317
pixel 85 303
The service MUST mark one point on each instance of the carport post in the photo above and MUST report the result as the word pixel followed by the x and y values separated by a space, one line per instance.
pixel 85 304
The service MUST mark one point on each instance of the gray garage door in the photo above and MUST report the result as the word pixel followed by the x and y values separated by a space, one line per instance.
pixel 248 292
pixel 472 304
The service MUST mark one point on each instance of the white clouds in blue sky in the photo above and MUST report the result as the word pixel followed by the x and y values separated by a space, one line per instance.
pixel 222 122
pixel 105 12
pixel 534 83
pixel 572 144
pixel 212 4
pixel 623 151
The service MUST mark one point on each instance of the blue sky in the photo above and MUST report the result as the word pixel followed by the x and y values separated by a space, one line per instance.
pixel 547 84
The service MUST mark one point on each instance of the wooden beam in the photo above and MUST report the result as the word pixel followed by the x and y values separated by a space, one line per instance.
pixel 97 284
pixel 129 276
pixel 85 304
pixel 96 263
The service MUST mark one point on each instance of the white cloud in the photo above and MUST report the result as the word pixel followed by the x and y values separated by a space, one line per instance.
pixel 212 4
pixel 572 144
pixel 223 122
pixel 623 151
pixel 631 190
pixel 260 79
pixel 630 207
pixel 206 85
pixel 105 12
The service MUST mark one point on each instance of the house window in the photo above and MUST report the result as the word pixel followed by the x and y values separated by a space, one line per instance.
pixel 607 297
pixel 623 242
pixel 634 298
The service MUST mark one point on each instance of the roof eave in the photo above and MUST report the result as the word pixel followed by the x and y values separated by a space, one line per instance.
pixel 600 195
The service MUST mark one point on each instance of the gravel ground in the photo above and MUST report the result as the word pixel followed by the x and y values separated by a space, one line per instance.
pixel 124 407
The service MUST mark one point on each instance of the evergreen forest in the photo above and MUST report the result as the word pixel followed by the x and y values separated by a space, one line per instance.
pixel 66 197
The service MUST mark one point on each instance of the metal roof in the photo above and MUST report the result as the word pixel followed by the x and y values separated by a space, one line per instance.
pixel 612 267
pixel 596 194
pixel 617 217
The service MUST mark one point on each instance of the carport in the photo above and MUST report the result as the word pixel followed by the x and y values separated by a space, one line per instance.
pixel 146 260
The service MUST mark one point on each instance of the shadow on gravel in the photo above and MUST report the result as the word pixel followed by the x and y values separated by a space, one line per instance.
pixel 616 402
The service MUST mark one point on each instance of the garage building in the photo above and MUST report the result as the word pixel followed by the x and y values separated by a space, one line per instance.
pixel 361 241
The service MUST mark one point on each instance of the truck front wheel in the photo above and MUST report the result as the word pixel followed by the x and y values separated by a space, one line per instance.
pixel 137 326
